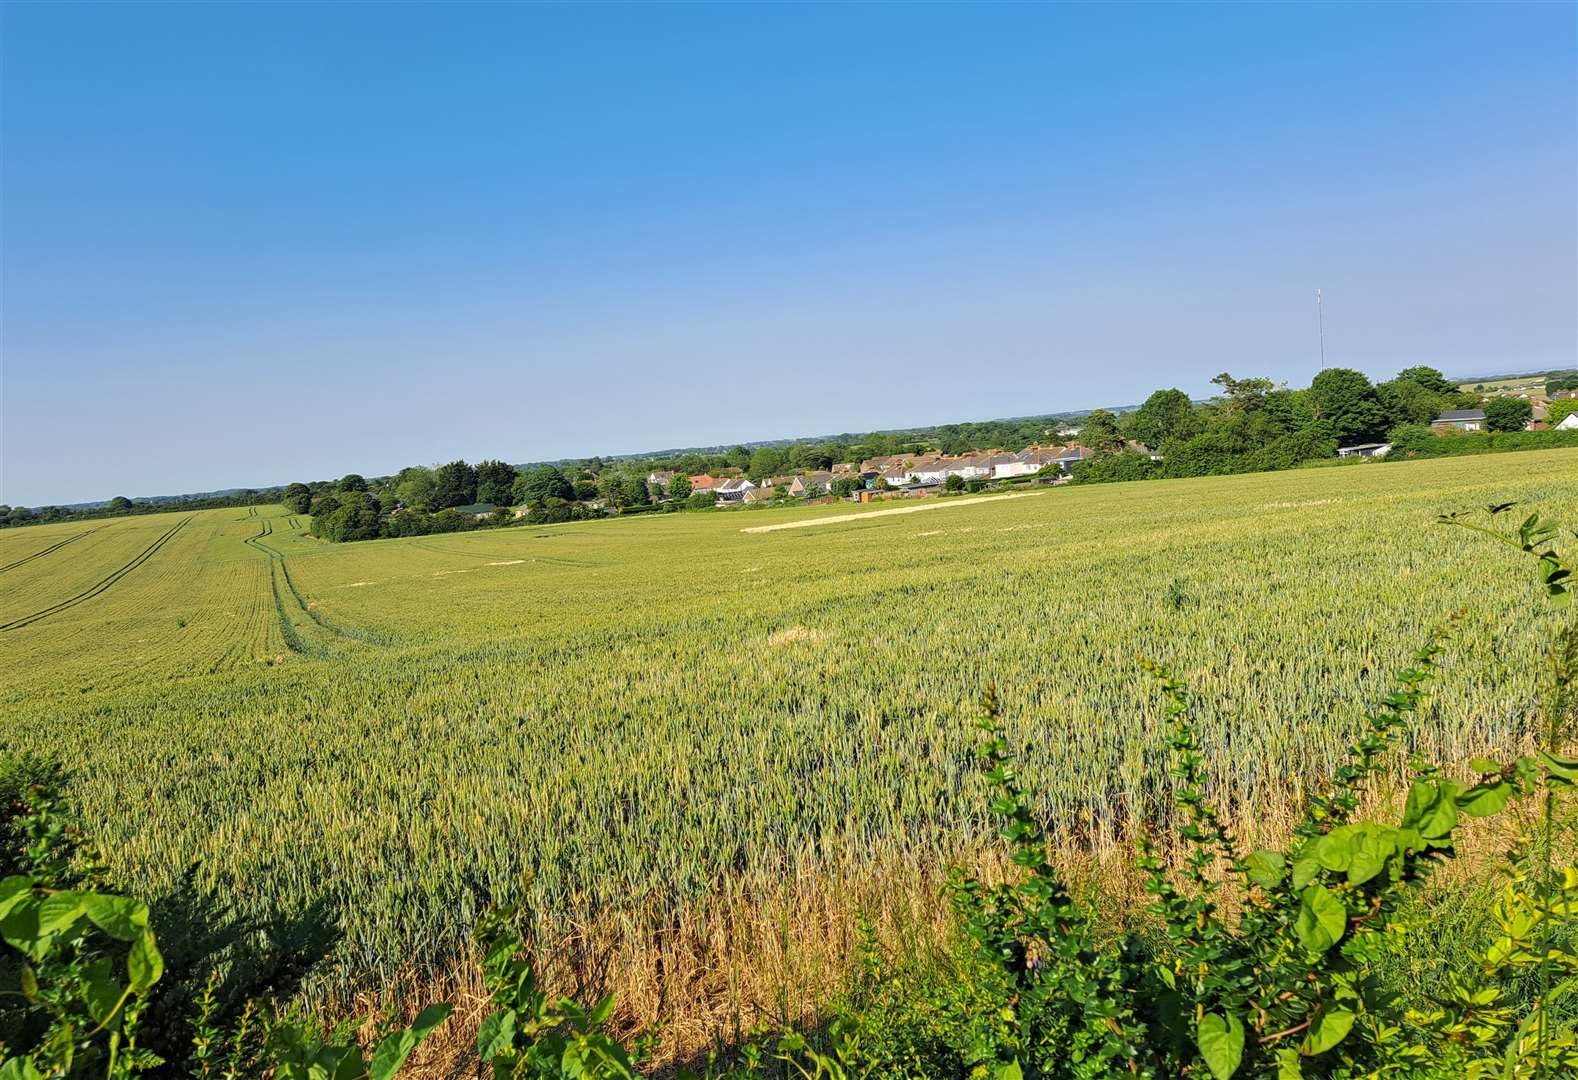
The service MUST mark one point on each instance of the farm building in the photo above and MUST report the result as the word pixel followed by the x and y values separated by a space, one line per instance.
pixel 1373 449
pixel 1461 419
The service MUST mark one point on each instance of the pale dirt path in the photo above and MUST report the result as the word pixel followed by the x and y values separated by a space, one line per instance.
pixel 807 523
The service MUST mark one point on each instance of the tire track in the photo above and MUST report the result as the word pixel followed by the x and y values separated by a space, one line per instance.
pixel 292 636
pixel 94 590
pixel 52 547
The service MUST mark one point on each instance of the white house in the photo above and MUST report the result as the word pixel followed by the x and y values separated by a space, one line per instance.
pixel 1568 422
pixel 1462 419
pixel 969 466
pixel 1371 449
pixel 733 489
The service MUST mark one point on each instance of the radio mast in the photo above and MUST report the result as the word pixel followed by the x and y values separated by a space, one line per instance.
pixel 1320 319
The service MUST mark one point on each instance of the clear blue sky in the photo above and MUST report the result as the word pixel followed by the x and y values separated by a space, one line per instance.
pixel 254 243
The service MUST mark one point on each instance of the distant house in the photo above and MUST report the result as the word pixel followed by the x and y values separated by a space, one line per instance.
pixel 758 495
pixel 928 470
pixel 896 475
pixel 969 466
pixel 1132 447
pixel 812 483
pixel 1027 462
pixel 733 489
pixel 1461 419
pixel 1568 422
pixel 662 478
pixel 704 483
pixel 1369 449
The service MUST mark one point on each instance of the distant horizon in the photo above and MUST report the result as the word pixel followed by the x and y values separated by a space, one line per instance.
pixel 278 239
pixel 690 448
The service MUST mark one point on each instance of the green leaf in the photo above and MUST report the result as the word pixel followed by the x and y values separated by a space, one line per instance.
pixel 1484 765
pixel 19 1068
pixel 1334 850
pixel 496 1034
pixel 1431 809
pixel 1331 1026
pixel 1266 868
pixel 118 916
pixel 1482 800
pixel 100 989
pixel 1566 768
pixel 1369 850
pixel 58 911
pixel 13 891
pixel 344 1063
pixel 393 1051
pixel 29 985
pixel 1010 1071
pixel 1221 1043
pixel 1321 919
pixel 144 965
pixel 20 930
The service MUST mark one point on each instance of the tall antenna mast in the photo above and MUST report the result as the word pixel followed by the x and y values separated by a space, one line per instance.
pixel 1320 318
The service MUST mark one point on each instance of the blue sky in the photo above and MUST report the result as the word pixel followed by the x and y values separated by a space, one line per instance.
pixel 247 244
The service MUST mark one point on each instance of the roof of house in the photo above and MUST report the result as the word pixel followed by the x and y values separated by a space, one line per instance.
pixel 817 476
pixel 1461 414
pixel 704 482
pixel 1362 446
pixel 733 484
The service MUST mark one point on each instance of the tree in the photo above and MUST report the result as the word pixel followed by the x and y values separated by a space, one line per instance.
pixel 1411 401
pixel 326 505
pixel 297 499
pixel 355 517
pixel 679 488
pixel 353 482
pixel 1166 415
pixel 844 486
pixel 1099 431
pixel 1560 410
pixel 585 490
pixel 1346 399
pixel 454 484
pixel 1427 377
pixel 1242 395
pixel 1507 414
pixel 119 505
pixel 494 481
pixel 954 482
pixel 766 462
pixel 541 484
pixel 416 487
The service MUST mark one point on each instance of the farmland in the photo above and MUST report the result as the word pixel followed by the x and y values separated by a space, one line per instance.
pixel 640 725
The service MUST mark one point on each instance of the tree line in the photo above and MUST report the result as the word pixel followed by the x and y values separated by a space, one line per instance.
pixel 1254 426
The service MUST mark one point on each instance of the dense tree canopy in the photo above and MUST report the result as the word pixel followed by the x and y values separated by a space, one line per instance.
pixel 1507 414
pixel 1165 416
pixel 454 484
pixel 495 481
pixel 1099 431
pixel 539 485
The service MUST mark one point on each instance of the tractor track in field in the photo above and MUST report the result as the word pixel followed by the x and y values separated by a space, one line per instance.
pixel 51 548
pixel 101 585
pixel 278 568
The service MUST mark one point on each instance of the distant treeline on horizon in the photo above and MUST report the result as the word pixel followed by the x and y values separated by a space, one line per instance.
pixel 1252 426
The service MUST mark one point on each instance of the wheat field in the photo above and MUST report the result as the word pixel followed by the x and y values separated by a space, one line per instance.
pixel 652 731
